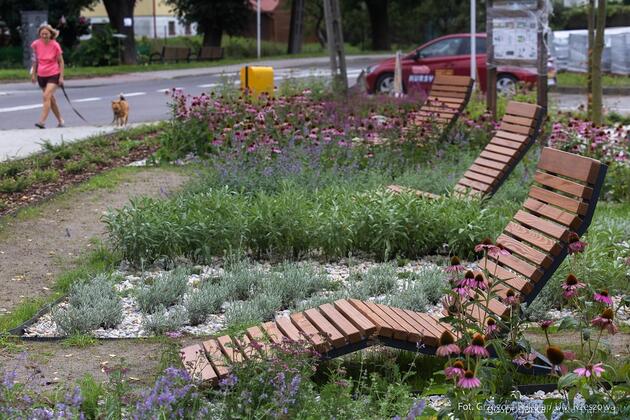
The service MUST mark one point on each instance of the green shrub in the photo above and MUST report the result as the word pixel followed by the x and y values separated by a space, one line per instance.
pixel 205 300
pixel 11 185
pixel 45 176
pixel 93 304
pixel 617 185
pixel 11 168
pixel 100 50
pixel 76 166
pixel 163 320
pixel 165 291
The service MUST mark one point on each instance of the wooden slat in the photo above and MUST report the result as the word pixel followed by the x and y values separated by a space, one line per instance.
pixel 564 185
pixel 443 79
pixel 515 128
pixel 476 313
pixel 444 93
pixel 514 280
pixel 273 332
pixel 364 325
pixel 419 330
pixel 480 186
pixel 197 364
pixel 430 332
pixel 475 176
pixel 570 165
pixel 525 251
pixel 522 109
pixel 398 332
pixel 438 326
pixel 511 136
pixel 527 122
pixel 288 329
pixel 496 308
pixel 533 237
pixel 230 349
pixel 216 357
pixel 437 101
pixel 485 171
pixel 244 343
pixel 558 200
pixel 527 270
pixel 339 321
pixel 412 334
pixel 553 213
pixel 508 143
pixel 336 338
pixel 257 335
pixel 384 328
pixel 450 88
pixel 499 166
pixel 549 228
pixel 495 156
pixel 442 109
pixel 501 150
pixel 320 343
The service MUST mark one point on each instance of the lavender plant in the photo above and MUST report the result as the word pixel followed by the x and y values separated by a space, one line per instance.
pixel 166 290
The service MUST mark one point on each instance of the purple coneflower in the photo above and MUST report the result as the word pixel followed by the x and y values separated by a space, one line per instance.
pixel 556 357
pixel 545 324
pixel 486 244
pixel 575 245
pixel 447 345
pixel 571 285
pixel 456 370
pixel 589 370
pixel 605 321
pixel 603 297
pixel 511 298
pixel 491 327
pixel 477 347
pixel 461 289
pixel 449 303
pixel 456 266
pixel 468 279
pixel 468 381
pixel 479 283
pixel 526 360
pixel 498 250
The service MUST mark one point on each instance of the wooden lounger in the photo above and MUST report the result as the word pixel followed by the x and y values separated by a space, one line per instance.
pixel 562 200
pixel 518 131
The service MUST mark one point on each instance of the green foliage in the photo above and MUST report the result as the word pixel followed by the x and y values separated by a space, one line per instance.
pixel 91 391
pixel 11 185
pixel 163 320
pixel 45 176
pixel 91 305
pixel 165 290
pixel 617 185
pixel 203 301
pixel 100 50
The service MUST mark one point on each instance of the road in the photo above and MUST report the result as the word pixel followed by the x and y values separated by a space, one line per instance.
pixel 147 93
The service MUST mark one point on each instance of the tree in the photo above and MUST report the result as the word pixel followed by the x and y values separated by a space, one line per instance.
pixel 214 17
pixel 117 11
pixel 379 21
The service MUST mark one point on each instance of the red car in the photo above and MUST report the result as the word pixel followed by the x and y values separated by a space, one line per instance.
pixel 450 52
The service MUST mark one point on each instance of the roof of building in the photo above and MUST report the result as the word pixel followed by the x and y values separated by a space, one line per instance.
pixel 266 6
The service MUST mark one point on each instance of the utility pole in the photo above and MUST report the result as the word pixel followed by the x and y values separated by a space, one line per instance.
pixel 335 44
pixel 296 32
pixel 491 72
pixel 541 83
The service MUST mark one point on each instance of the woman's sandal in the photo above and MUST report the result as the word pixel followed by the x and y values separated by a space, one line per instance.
pixel 38 125
pixel 61 125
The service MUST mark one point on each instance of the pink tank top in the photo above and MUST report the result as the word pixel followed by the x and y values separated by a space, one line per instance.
pixel 47 56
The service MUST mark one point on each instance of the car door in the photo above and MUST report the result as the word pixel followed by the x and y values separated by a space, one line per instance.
pixel 481 59
pixel 444 54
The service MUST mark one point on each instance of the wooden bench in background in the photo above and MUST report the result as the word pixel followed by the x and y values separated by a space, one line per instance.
pixel 171 54
pixel 562 200
pixel 208 54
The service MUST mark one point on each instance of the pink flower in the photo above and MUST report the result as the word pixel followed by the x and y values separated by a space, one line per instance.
pixel 486 244
pixel 456 370
pixel 605 321
pixel 461 289
pixel 455 267
pixel 447 345
pixel 498 250
pixel 526 360
pixel 511 298
pixel 589 370
pixel 603 297
pixel 545 324
pixel 477 347
pixel 575 245
pixel 478 282
pixel 491 328
pixel 571 285
pixel 468 280
pixel 468 381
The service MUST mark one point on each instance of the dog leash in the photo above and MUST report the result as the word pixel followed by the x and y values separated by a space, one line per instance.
pixel 63 89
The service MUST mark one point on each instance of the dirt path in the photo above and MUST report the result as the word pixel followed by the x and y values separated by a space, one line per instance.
pixel 34 251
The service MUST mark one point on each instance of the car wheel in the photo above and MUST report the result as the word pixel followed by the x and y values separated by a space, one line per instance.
pixel 385 83
pixel 506 85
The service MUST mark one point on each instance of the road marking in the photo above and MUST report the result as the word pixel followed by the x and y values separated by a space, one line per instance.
pixel 20 108
pixel 88 99
pixel 128 95
pixel 209 85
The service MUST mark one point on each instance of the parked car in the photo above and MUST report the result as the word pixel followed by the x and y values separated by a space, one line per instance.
pixel 450 53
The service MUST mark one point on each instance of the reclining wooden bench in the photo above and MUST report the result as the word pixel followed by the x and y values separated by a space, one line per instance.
pixel 519 129
pixel 208 53
pixel 562 200
pixel 169 53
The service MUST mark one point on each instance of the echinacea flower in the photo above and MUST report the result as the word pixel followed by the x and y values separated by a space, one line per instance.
pixel 603 297
pixel 605 321
pixel 456 370
pixel 589 370
pixel 468 381
pixel 545 324
pixel 478 282
pixel 485 245
pixel 571 285
pixel 575 245
pixel 461 289
pixel 511 298
pixel 491 327
pixel 525 360
pixel 447 345
pixel 450 303
pixel 498 250
pixel 456 266
pixel 556 357
pixel 477 347
pixel 468 279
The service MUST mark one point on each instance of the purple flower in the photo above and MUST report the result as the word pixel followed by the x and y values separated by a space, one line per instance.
pixel 588 370
pixel 477 347
pixel 447 345
pixel 603 298
pixel 575 245
pixel 456 370
pixel 469 381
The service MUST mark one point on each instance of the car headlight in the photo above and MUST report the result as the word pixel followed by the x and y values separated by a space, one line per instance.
pixel 369 69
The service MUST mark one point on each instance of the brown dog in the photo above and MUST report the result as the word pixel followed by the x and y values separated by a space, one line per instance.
pixel 120 108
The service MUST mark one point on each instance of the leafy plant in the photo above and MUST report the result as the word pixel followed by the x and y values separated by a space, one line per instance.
pixel 166 290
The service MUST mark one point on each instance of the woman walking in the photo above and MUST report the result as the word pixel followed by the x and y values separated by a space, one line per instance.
pixel 48 67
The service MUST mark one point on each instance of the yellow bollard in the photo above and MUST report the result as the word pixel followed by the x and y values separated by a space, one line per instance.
pixel 257 80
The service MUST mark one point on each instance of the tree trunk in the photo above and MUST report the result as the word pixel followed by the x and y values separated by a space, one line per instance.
pixel 598 48
pixel 590 23
pixel 212 37
pixel 379 21
pixel 117 11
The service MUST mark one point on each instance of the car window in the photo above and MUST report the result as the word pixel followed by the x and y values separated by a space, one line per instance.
pixel 465 46
pixel 442 48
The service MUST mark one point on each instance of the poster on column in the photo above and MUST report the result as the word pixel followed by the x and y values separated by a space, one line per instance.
pixel 515 38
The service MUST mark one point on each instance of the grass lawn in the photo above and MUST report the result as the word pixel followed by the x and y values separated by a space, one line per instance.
pixel 568 79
